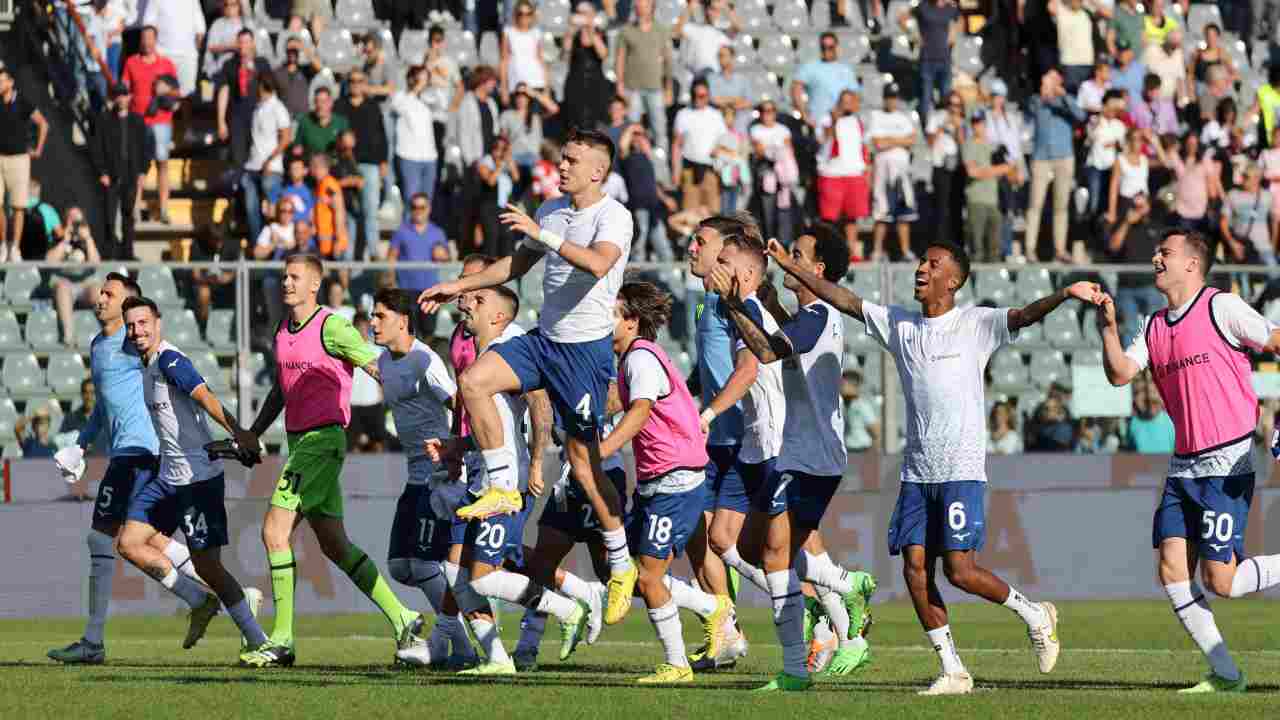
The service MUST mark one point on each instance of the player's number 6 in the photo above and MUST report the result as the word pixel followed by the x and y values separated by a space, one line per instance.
pixel 955 516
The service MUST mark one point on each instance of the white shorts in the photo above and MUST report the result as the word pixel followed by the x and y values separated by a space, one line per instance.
pixel 188 67
pixel 893 207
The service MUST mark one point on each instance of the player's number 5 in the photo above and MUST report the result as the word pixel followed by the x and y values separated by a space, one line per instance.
pixel 106 496
pixel 955 516
pixel 1220 527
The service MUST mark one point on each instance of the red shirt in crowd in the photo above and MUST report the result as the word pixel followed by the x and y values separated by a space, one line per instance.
pixel 140 76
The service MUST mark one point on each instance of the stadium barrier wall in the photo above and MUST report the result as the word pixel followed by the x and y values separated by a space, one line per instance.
pixel 1058 526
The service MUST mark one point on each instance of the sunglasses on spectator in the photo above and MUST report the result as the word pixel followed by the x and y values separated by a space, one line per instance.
pixel 828 47
pixel 525 13
pixel 419 207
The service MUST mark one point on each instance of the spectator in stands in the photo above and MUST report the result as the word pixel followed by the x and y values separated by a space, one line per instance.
pixel 370 151
pixel 729 89
pixel 271 134
pixel 1197 183
pixel 700 42
pixel 416 157
pixel 1126 28
pixel 319 129
pixel 334 226
pixel 74 284
pixel 118 151
pixel 498 175
pixel 522 124
pixel 1003 438
pixel 1157 25
pixel 731 157
pixel 697 130
pixel 154 97
pixel 1075 41
pixel 521 54
pixel 278 238
pixel 16 117
pixel 42 220
pixel 817 85
pixel 586 89
pixel 1129 177
pixel 984 164
pixel 382 83
pixel 1150 427
pixel 546 178
pixel 1053 430
pixel 224 37
pixel 648 200
pixel 1004 129
pixel 317 13
pixel 1203 59
pixel 419 240
pixel 1089 97
pixel 1250 225
pixel 643 69
pixel 1134 240
pixel 1106 136
pixel 1217 89
pixel 861 423
pixel 238 96
pixel 844 197
pixel 213 288
pixel 294 75
pixel 336 299
pixel 945 132
pixel 181 29
pixel 772 147
pixel 618 122
pixel 109 17
pixel 939 23
pixel 39 442
pixel 1052 160
pixel 1168 62
pixel 367 431
pixel 477 116
pixel 892 133
pixel 444 82
pixel 1128 74
pixel 79 416
pixel 297 189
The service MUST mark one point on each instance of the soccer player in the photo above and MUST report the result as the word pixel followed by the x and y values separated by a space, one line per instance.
pixel 1202 373
pixel 812 458
pixel 490 541
pixel 586 237
pixel 941 352
pixel 117 374
pixel 316 355
pixel 661 423
pixel 418 389
pixel 189 489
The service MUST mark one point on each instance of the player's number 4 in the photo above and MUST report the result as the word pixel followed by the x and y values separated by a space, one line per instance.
pixel 1221 527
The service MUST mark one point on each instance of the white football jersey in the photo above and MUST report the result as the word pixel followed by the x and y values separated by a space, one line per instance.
pixel 416 386
pixel 576 307
pixel 512 408
pixel 764 408
pixel 941 365
pixel 813 430
pixel 180 423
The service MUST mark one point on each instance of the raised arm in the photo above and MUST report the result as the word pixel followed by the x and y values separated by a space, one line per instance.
pixel 598 258
pixel 503 271
pixel 1035 312
pixel 843 299
pixel 1120 368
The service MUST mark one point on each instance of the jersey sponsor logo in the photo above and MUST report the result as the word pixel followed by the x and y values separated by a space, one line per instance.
pixel 1180 364
pixel 947 356
pixel 298 364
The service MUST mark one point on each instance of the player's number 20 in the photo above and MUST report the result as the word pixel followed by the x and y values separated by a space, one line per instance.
pixel 491 535
pixel 1220 527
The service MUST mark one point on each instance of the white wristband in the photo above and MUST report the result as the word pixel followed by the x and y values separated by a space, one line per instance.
pixel 551 240
pixel 708 415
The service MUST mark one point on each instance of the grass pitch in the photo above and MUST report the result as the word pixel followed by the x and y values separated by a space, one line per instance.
pixel 1119 660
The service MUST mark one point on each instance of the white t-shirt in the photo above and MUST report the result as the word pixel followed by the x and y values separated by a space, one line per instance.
pixel 770 137
pixel 944 146
pixel 181 424
pixel 1090 95
pixel 524 67
pixel 266 238
pixel 177 23
pixel 813 431
pixel 269 118
pixel 700 45
pixel 646 378
pixel 416 387
pixel 699 130
pixel 512 409
pixel 415 136
pixel 764 407
pixel 891 124
pixel 941 365
pixel 1133 178
pixel 576 307
pixel 1243 327
pixel 1107 138
pixel 849 163
pixel 1075 36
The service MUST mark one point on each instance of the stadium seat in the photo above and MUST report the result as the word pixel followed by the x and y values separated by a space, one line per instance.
pixel 1033 284
pixel 776 53
pixel 744 52
pixel 356 15
pixel 866 283
pixel 855 45
pixel 531 289
pixel 8 416
pixel 856 338
pixel 755 19
pixel 206 364
pixel 42 331
pixel 994 285
pixel 1007 369
pixel 414 44
pixel 232 405
pixel 490 53
pixel 1031 335
pixel 808 48
pixel 1201 15
pixel 1236 50
pixel 84 325
pixel 1086 357
pixel 873 89
pixel 157 283
pixel 337 50
pixel 791 16
pixel 1062 328
pixel 966 55
pixel 220 331
pixel 19 283
pixel 66 371
pixel 10 332
pixel 902 285
pixel 12 450
pixel 181 329
pixel 269 52
pixel 1048 367
pixel 872 369
pixel 263 20
pixel 23 376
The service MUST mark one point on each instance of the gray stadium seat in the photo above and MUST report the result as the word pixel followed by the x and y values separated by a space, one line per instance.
pixel 207 365
pixel 1062 328
pixel 1048 367
pixel 355 15
pixel 19 283
pixel 744 51
pixel 855 45
pixel 337 50
pixel 872 366
pixel 413 44
pixel 808 48
pixel 23 376
pixel 1086 357
pixel 1201 15
pixel 1033 284
pixel 262 43
pixel 791 16
pixel 490 53
pixel 776 53
pixel 1007 369
pixel 180 328
pixel 995 285
pixel 902 283
pixel 8 416
pixel 866 283
pixel 263 20
pixel 84 325
pixel 157 283
pixel 257 365
pixel 10 333
pixel 220 330
pixel 66 371
pixel 966 55
pixel 12 450
pixel 42 330
pixel 282 41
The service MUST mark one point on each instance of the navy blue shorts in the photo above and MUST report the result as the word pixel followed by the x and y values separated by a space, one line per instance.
pixel 805 496
pixel 124 477
pixel 196 509
pixel 660 526
pixel 575 375
pixel 416 532
pixel 575 517
pixel 940 517
pixel 501 537
pixel 754 477
pixel 725 484
pixel 1211 513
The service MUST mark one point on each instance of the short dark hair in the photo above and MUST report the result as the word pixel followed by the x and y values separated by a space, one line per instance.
pixel 1112 94
pixel 266 83
pixel 4 70
pixel 1197 242
pixel 958 253
pixel 400 302
pixel 483 259
pixel 136 301
pixel 593 139
pixel 155 30
pixel 131 286
pixel 1150 82
pixel 831 250
pixel 511 298
pixel 828 35
pixel 245 31
pixel 322 89
pixel 648 304
pixel 311 260
pixel 434 32
pixel 739 226
pixel 700 82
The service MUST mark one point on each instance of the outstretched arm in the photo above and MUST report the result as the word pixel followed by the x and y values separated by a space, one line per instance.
pixel 505 270
pixel 1035 312
pixel 843 299
pixel 1120 368
pixel 269 411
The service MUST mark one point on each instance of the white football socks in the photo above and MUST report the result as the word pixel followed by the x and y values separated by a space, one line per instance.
pixel 102 568
pixel 532 626
pixel 519 589
pixel 666 622
pixel 1255 574
pixel 615 544
pixel 501 465
pixel 733 559
pixel 185 588
pixel 180 556
pixel 490 644
pixel 833 603
pixel 576 588
pixel 1031 613
pixel 460 582
pixel 819 570
pixel 248 624
pixel 945 646
pixel 689 597
pixel 1192 608
pixel 788 620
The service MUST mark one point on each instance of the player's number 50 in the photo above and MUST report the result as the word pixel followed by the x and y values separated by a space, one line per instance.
pixel 1221 527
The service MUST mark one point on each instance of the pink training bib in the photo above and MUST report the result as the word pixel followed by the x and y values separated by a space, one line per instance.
pixel 672 438
pixel 462 353
pixel 316 385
